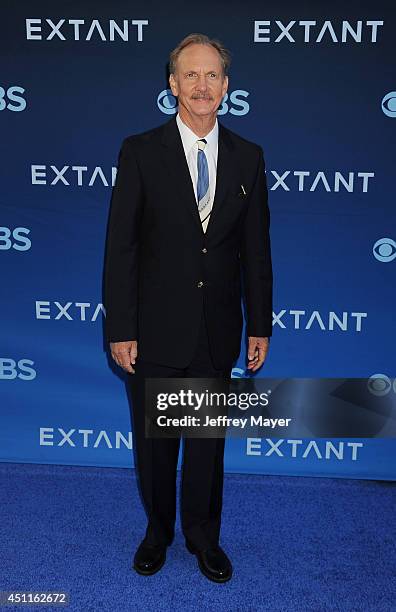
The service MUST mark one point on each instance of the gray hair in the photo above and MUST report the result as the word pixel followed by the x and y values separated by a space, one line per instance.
pixel 200 39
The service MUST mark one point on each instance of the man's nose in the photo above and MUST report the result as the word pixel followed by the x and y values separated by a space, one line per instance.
pixel 202 83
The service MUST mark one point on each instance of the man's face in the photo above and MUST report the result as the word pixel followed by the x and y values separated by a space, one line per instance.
pixel 198 81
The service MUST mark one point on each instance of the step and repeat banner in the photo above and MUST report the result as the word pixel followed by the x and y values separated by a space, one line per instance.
pixel 314 84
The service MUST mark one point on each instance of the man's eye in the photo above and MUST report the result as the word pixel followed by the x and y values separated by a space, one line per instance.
pixel 191 74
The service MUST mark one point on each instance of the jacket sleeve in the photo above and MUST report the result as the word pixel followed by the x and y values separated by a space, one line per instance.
pixel 122 249
pixel 255 255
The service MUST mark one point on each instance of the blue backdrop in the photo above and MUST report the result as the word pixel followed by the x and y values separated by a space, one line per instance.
pixel 314 84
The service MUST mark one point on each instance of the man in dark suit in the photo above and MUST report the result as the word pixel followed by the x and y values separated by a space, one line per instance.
pixel 188 228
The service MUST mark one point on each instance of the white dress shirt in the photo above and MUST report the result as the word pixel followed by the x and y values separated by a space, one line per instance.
pixel 189 140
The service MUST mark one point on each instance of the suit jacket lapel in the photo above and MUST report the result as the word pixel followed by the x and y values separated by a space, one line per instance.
pixel 175 160
pixel 179 172
pixel 225 171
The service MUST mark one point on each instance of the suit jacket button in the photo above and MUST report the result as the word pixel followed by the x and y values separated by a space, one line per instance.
pixel 200 284
pixel 204 250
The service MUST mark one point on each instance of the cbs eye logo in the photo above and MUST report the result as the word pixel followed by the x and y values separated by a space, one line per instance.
pixel 237 373
pixel 388 104
pixel 9 100
pixel 380 385
pixel 167 102
pixel 233 103
pixel 385 250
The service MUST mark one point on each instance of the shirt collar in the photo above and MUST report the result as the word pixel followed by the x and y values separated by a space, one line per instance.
pixel 189 138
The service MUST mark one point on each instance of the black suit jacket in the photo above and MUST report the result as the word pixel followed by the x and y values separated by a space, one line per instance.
pixel 161 269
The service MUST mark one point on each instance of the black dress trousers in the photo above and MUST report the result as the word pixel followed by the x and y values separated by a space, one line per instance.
pixel 156 460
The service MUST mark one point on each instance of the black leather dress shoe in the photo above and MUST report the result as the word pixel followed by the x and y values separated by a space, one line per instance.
pixel 213 563
pixel 149 559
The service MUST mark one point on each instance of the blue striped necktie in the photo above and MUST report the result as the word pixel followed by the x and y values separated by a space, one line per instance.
pixel 203 195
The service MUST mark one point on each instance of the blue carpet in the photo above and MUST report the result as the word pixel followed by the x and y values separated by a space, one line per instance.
pixel 297 543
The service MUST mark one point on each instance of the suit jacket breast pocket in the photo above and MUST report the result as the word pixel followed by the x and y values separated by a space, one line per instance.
pixel 237 202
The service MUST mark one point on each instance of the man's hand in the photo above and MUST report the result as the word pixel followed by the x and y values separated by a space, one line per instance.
pixel 257 352
pixel 124 354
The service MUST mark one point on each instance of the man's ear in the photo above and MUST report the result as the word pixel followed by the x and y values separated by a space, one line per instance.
pixel 225 85
pixel 173 84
